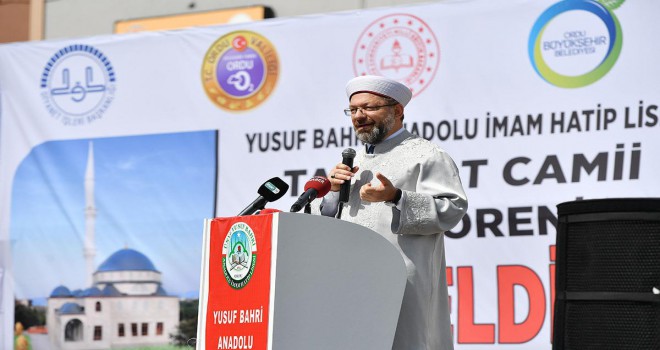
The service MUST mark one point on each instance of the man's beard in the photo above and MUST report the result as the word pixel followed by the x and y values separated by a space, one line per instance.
pixel 378 131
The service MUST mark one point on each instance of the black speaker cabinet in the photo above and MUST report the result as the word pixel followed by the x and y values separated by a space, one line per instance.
pixel 608 275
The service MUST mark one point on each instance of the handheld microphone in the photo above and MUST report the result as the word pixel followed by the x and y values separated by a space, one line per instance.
pixel 316 187
pixel 269 191
pixel 347 158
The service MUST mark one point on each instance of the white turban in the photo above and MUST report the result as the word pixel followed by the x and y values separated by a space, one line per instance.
pixel 380 86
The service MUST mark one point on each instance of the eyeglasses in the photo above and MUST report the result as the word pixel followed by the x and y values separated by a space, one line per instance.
pixel 365 110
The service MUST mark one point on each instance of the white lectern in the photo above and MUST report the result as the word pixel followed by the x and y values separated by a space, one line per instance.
pixel 289 281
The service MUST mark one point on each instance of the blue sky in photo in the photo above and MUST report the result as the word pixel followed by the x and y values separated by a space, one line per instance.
pixel 152 193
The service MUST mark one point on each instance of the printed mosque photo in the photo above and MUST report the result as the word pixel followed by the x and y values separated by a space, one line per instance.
pixel 122 291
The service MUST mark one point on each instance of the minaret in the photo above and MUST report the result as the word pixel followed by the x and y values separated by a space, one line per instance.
pixel 90 217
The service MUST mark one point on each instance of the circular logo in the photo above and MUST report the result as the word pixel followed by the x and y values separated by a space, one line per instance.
pixel 575 43
pixel 401 47
pixel 240 70
pixel 78 85
pixel 239 255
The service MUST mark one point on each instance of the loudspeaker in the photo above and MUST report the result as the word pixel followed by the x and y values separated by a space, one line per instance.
pixel 607 285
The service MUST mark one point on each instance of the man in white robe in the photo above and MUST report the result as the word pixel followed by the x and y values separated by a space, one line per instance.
pixel 409 191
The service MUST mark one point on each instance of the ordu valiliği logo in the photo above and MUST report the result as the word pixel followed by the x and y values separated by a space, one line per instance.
pixel 574 43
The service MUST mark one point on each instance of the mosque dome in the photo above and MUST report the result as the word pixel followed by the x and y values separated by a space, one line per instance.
pixel 111 291
pixel 91 292
pixel 61 292
pixel 161 291
pixel 127 260
pixel 70 309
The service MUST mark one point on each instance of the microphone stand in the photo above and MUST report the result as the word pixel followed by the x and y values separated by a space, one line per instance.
pixel 341 206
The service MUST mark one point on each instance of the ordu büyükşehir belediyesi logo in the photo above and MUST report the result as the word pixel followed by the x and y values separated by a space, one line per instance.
pixel 574 43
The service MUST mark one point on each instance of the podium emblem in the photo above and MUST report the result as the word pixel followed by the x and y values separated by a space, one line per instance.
pixel 239 255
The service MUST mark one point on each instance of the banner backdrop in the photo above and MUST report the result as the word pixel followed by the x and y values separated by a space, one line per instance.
pixel 538 102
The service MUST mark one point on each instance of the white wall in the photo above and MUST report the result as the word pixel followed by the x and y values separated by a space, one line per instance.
pixel 76 18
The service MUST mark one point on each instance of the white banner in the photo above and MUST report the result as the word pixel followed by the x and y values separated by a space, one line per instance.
pixel 538 102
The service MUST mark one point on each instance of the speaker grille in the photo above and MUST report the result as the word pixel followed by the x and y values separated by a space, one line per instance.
pixel 608 262
pixel 608 325
pixel 613 256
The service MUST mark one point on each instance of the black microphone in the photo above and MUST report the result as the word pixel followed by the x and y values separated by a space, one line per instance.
pixel 316 187
pixel 345 189
pixel 269 191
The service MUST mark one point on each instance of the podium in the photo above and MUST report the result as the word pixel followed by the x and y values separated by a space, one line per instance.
pixel 288 281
